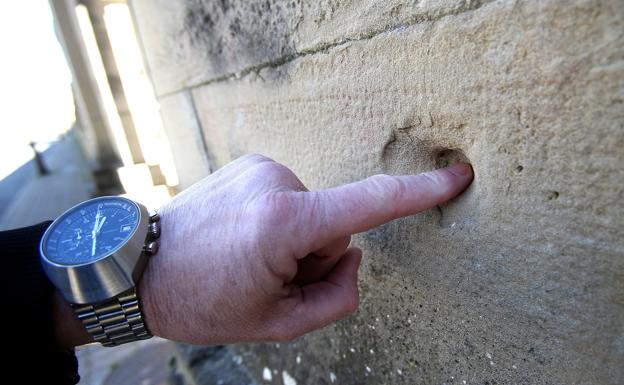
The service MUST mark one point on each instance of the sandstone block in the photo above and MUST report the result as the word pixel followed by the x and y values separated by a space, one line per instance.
pixel 518 280
pixel 192 42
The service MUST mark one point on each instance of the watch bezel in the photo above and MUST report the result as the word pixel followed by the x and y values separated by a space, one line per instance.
pixel 106 277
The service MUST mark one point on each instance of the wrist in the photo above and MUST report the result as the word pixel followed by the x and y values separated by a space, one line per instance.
pixel 148 306
pixel 151 283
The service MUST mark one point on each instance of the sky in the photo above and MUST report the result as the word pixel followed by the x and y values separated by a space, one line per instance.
pixel 36 102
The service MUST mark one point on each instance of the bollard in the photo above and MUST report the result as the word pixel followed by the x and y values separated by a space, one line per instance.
pixel 41 168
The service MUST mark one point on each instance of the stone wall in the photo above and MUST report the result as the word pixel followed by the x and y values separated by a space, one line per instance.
pixel 521 279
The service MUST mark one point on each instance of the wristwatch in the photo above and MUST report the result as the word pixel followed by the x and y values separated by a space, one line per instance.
pixel 94 254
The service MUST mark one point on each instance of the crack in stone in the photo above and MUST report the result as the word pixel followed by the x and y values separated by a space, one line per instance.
pixel 467 6
pixel 202 135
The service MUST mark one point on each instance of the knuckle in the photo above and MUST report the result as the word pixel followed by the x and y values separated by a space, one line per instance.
pixel 271 169
pixel 277 175
pixel 279 208
pixel 387 186
pixel 315 210
pixel 255 158
pixel 251 160
pixel 384 182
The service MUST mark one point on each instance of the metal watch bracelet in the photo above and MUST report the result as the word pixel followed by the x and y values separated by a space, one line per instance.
pixel 119 320
pixel 114 322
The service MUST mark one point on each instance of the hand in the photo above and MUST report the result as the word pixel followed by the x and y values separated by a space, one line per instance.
pixel 249 254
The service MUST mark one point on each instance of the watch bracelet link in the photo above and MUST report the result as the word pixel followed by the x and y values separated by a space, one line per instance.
pixel 114 322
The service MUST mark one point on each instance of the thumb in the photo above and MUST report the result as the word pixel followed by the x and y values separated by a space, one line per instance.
pixel 331 299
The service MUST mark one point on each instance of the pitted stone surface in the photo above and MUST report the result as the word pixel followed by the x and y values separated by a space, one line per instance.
pixel 196 41
pixel 519 280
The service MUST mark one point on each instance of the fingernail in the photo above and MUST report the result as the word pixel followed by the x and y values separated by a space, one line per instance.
pixel 460 169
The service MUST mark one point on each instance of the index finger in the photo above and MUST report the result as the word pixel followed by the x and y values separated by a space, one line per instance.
pixel 362 205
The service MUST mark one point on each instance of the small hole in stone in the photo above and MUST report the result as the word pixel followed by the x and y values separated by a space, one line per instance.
pixel 519 168
pixel 553 195
pixel 446 157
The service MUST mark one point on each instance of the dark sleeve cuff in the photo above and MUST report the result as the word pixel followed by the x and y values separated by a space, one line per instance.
pixel 29 316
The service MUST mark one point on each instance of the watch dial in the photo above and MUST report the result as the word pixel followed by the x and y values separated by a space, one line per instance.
pixel 91 230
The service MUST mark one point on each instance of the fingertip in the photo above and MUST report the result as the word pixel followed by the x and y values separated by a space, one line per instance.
pixel 459 176
pixel 462 170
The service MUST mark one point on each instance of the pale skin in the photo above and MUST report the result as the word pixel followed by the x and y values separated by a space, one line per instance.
pixel 248 254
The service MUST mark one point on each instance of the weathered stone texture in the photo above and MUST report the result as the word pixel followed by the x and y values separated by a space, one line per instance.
pixel 521 279
pixel 194 41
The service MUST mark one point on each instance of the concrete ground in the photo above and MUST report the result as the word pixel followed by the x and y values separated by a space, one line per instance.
pixel 145 363
pixel 27 198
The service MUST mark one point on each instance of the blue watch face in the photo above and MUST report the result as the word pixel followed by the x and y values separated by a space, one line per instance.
pixel 90 231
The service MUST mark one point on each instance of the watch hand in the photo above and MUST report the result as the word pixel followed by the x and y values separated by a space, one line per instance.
pixel 93 243
pixel 94 232
pixel 100 225
pixel 96 223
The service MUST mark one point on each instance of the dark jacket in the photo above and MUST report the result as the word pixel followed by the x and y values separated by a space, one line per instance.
pixel 31 352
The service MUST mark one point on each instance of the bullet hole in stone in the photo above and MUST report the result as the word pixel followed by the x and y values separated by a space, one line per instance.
pixel 519 168
pixel 441 219
pixel 445 157
pixel 552 195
